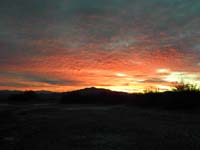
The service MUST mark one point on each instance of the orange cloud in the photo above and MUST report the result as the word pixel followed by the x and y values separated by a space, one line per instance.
pixel 117 69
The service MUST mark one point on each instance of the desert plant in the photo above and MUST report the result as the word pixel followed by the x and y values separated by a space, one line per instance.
pixel 183 86
pixel 151 89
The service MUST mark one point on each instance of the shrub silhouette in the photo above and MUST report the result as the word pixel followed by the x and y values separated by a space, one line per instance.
pixel 182 86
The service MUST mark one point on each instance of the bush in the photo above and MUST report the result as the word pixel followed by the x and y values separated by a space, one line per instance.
pixel 182 86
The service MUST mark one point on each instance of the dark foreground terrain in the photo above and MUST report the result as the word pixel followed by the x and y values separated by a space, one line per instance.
pixel 92 127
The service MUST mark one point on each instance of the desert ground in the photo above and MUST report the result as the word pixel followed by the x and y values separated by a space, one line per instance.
pixel 96 127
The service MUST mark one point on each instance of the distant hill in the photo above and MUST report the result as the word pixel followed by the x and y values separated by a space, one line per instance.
pixel 92 95
pixel 166 100
pixel 8 92
pixel 8 96
pixel 5 94
pixel 95 91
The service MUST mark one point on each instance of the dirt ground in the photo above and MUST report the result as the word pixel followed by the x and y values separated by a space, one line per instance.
pixel 76 127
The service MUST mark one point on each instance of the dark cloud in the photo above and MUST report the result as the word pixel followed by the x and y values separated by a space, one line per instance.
pixel 37 78
pixel 154 80
pixel 51 80
pixel 173 23
pixel 13 84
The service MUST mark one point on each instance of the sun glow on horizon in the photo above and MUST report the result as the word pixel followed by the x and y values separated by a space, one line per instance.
pixel 121 75
pixel 127 89
pixel 163 70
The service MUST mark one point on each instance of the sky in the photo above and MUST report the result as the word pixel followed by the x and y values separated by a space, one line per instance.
pixel 122 45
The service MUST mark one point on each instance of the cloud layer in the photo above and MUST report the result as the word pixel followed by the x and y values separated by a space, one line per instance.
pixel 70 44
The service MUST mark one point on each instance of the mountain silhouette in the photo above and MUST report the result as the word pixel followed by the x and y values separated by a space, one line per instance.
pixel 95 91
pixel 92 95
pixel 165 100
